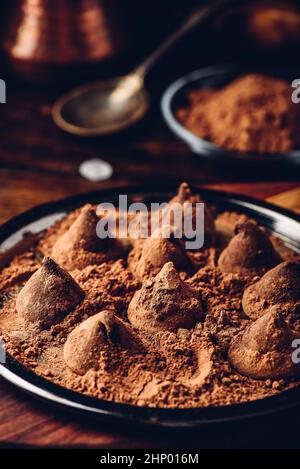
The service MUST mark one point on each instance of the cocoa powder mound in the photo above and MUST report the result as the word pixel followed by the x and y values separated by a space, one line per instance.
pixel 179 368
pixel 254 113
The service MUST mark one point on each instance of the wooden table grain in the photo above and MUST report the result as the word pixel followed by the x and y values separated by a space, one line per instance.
pixel 39 163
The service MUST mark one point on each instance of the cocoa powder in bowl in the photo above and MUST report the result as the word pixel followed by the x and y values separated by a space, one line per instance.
pixel 177 358
pixel 253 113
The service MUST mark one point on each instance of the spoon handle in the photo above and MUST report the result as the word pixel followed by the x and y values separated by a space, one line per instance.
pixel 193 20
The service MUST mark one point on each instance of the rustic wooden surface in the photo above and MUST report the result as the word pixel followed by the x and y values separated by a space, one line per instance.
pixel 289 199
pixel 39 163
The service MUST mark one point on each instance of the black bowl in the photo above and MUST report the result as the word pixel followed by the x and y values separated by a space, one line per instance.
pixel 216 77
pixel 281 222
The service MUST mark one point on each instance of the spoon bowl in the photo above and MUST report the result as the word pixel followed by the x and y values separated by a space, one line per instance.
pixel 102 107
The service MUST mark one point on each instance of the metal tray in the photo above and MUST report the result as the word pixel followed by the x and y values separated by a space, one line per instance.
pixel 282 223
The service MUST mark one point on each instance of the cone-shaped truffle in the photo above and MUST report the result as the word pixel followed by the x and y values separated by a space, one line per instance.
pixel 183 196
pixel 147 258
pixel 249 252
pixel 165 302
pixel 80 245
pixel 279 286
pixel 264 349
pixel 49 294
pixel 85 343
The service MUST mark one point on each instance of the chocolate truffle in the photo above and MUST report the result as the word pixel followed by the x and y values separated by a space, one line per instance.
pixel 249 252
pixel 84 345
pixel 165 302
pixel 80 246
pixel 147 258
pixel 49 294
pixel 264 349
pixel 183 196
pixel 226 222
pixel 279 286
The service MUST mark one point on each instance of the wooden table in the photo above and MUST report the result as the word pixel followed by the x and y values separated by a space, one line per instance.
pixel 39 163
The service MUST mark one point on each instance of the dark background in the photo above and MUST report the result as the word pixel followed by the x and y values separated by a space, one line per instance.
pixel 41 162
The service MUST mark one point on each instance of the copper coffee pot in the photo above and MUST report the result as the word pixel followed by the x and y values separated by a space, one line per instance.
pixel 44 36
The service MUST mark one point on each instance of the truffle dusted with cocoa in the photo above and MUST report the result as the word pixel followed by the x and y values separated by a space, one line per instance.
pixel 165 302
pixel 49 294
pixel 184 197
pixel 83 347
pixel 279 286
pixel 80 246
pixel 264 349
pixel 249 252
pixel 148 257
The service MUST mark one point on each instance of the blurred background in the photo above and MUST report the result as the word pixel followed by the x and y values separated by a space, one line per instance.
pixel 48 47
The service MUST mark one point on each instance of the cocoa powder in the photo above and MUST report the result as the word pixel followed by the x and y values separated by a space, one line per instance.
pixel 180 368
pixel 254 113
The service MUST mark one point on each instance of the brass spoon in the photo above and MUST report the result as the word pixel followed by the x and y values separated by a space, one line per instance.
pixel 105 107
